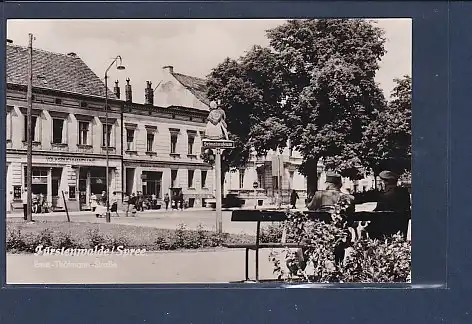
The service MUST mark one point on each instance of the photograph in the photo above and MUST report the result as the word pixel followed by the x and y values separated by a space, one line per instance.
pixel 208 151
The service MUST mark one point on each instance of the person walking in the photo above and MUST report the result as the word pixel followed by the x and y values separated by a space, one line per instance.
pixel 114 204
pixel 166 200
pixel 126 203
pixel 24 198
pixel 93 202
pixel 293 198
pixel 132 203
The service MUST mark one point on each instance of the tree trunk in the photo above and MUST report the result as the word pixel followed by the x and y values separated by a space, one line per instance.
pixel 311 177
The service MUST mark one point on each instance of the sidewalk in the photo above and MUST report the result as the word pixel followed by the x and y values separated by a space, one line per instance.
pixel 217 266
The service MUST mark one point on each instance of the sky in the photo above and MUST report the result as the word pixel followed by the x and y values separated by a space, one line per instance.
pixel 193 47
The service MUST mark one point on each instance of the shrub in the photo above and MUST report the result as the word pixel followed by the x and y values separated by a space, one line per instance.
pixel 271 233
pixel 15 241
pixel 95 238
pixel 64 240
pixel 365 261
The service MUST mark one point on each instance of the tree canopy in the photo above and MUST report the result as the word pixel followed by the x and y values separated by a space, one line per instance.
pixel 387 139
pixel 312 87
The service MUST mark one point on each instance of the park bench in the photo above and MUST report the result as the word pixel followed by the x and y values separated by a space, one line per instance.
pixel 376 224
pixel 260 216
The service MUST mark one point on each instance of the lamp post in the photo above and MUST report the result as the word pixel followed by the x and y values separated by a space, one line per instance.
pixel 107 137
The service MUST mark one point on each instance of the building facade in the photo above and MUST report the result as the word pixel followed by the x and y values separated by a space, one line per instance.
pixel 150 149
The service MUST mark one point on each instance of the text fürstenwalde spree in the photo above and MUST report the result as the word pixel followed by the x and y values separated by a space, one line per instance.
pixel 96 251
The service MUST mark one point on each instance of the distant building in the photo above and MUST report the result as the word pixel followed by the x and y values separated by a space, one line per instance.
pixel 151 149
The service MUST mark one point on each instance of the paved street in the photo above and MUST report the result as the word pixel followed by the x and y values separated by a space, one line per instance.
pixel 192 218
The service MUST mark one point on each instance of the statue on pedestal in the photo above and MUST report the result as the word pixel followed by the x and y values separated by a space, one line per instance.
pixel 216 128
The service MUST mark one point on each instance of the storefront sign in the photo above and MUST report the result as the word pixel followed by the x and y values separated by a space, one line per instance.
pixel 60 159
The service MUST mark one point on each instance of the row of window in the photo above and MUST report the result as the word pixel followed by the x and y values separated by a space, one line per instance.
pixel 59 135
pixel 191 178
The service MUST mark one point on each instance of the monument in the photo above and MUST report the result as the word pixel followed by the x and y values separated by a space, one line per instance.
pixel 216 137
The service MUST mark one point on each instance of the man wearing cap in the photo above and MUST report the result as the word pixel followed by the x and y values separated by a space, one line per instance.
pixel 326 200
pixel 394 198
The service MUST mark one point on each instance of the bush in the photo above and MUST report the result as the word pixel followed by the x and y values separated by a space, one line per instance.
pixel 365 261
pixel 64 240
pixel 271 233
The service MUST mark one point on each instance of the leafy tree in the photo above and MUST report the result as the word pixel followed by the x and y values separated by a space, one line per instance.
pixel 313 86
pixel 387 139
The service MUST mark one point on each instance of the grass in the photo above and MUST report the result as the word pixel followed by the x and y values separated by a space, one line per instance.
pixel 23 237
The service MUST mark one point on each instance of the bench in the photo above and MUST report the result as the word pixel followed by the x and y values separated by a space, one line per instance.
pixel 376 224
pixel 260 216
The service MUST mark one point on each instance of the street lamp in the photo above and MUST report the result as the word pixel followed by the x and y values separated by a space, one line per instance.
pixel 119 66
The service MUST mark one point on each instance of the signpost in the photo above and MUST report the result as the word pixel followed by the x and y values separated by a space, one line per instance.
pixel 219 146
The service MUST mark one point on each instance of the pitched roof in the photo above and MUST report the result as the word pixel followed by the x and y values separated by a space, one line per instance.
pixel 54 71
pixel 196 86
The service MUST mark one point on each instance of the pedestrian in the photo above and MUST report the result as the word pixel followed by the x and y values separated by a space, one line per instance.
pixel 328 200
pixel 114 204
pixel 24 198
pixel 132 203
pixel 93 202
pixel 103 198
pixel 181 200
pixel 166 200
pixel 126 203
pixel 293 198
pixel 41 203
pixel 154 201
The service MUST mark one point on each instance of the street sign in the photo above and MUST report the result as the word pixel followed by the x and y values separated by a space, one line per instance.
pixel 218 144
pixel 255 185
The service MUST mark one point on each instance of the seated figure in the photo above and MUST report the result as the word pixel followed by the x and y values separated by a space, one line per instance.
pixel 394 198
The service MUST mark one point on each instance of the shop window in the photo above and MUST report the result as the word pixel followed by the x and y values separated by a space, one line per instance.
pixel 34 120
pixel 241 179
pixel 84 128
pixel 149 142
pixel 173 143
pixel 71 192
pixel 130 139
pixel 173 178
pixel 152 182
pixel 106 135
pixel 57 130
pixel 204 179
pixel 191 174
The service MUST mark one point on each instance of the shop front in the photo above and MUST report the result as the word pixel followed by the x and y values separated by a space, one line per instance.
pixel 61 180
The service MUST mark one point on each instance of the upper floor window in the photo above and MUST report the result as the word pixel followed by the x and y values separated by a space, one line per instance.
pixel 84 129
pixel 130 139
pixel 241 178
pixel 106 134
pixel 174 136
pixel 150 142
pixel 204 178
pixel 150 131
pixel 191 141
pixel 57 131
pixel 191 174
pixel 8 122
pixel 34 135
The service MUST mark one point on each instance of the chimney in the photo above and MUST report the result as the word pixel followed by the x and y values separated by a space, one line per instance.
pixel 168 69
pixel 128 93
pixel 116 89
pixel 149 94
